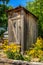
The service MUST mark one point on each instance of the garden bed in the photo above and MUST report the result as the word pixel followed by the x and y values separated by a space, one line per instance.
pixel 12 51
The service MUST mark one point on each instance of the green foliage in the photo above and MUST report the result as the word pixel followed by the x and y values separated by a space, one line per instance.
pixel 3 18
pixel 37 50
pixel 41 59
pixel 27 58
pixel 36 7
pixel 10 54
pixel 3 15
pixel 14 55
pixel 17 56
pixel 4 1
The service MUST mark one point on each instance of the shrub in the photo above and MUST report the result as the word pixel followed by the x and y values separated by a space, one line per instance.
pixel 5 43
pixel 13 51
pixel 27 58
pixel 37 50
pixel 10 54
pixel 41 58
pixel 14 55
pixel 13 47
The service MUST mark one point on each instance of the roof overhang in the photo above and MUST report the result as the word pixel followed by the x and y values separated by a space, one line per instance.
pixel 18 9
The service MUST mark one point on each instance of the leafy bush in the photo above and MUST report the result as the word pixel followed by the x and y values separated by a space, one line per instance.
pixel 4 43
pixel 37 50
pixel 41 58
pixel 13 47
pixel 13 51
pixel 10 54
pixel 14 55
pixel 27 58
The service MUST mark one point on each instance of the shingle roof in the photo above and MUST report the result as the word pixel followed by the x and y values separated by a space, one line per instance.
pixel 19 8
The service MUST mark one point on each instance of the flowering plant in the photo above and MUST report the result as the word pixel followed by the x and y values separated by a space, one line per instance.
pixel 37 49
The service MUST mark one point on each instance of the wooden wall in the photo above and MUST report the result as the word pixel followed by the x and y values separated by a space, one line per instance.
pixel 30 30
pixel 26 29
pixel 12 27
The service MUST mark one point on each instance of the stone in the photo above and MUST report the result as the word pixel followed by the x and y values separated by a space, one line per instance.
pixel 6 61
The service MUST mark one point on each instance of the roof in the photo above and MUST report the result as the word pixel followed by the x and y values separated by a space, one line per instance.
pixel 19 8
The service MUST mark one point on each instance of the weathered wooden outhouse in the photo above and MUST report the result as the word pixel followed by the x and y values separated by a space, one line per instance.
pixel 22 27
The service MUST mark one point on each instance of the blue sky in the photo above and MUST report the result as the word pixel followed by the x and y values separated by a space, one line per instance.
pixel 16 3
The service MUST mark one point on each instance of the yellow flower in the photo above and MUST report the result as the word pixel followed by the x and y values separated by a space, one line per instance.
pixel 31 52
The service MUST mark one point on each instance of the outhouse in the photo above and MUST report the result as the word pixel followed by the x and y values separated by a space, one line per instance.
pixel 22 27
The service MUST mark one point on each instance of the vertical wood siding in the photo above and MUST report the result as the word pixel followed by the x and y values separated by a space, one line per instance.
pixel 26 29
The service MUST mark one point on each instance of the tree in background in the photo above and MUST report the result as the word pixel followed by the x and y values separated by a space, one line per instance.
pixel 3 15
pixel 36 7
pixel 4 1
